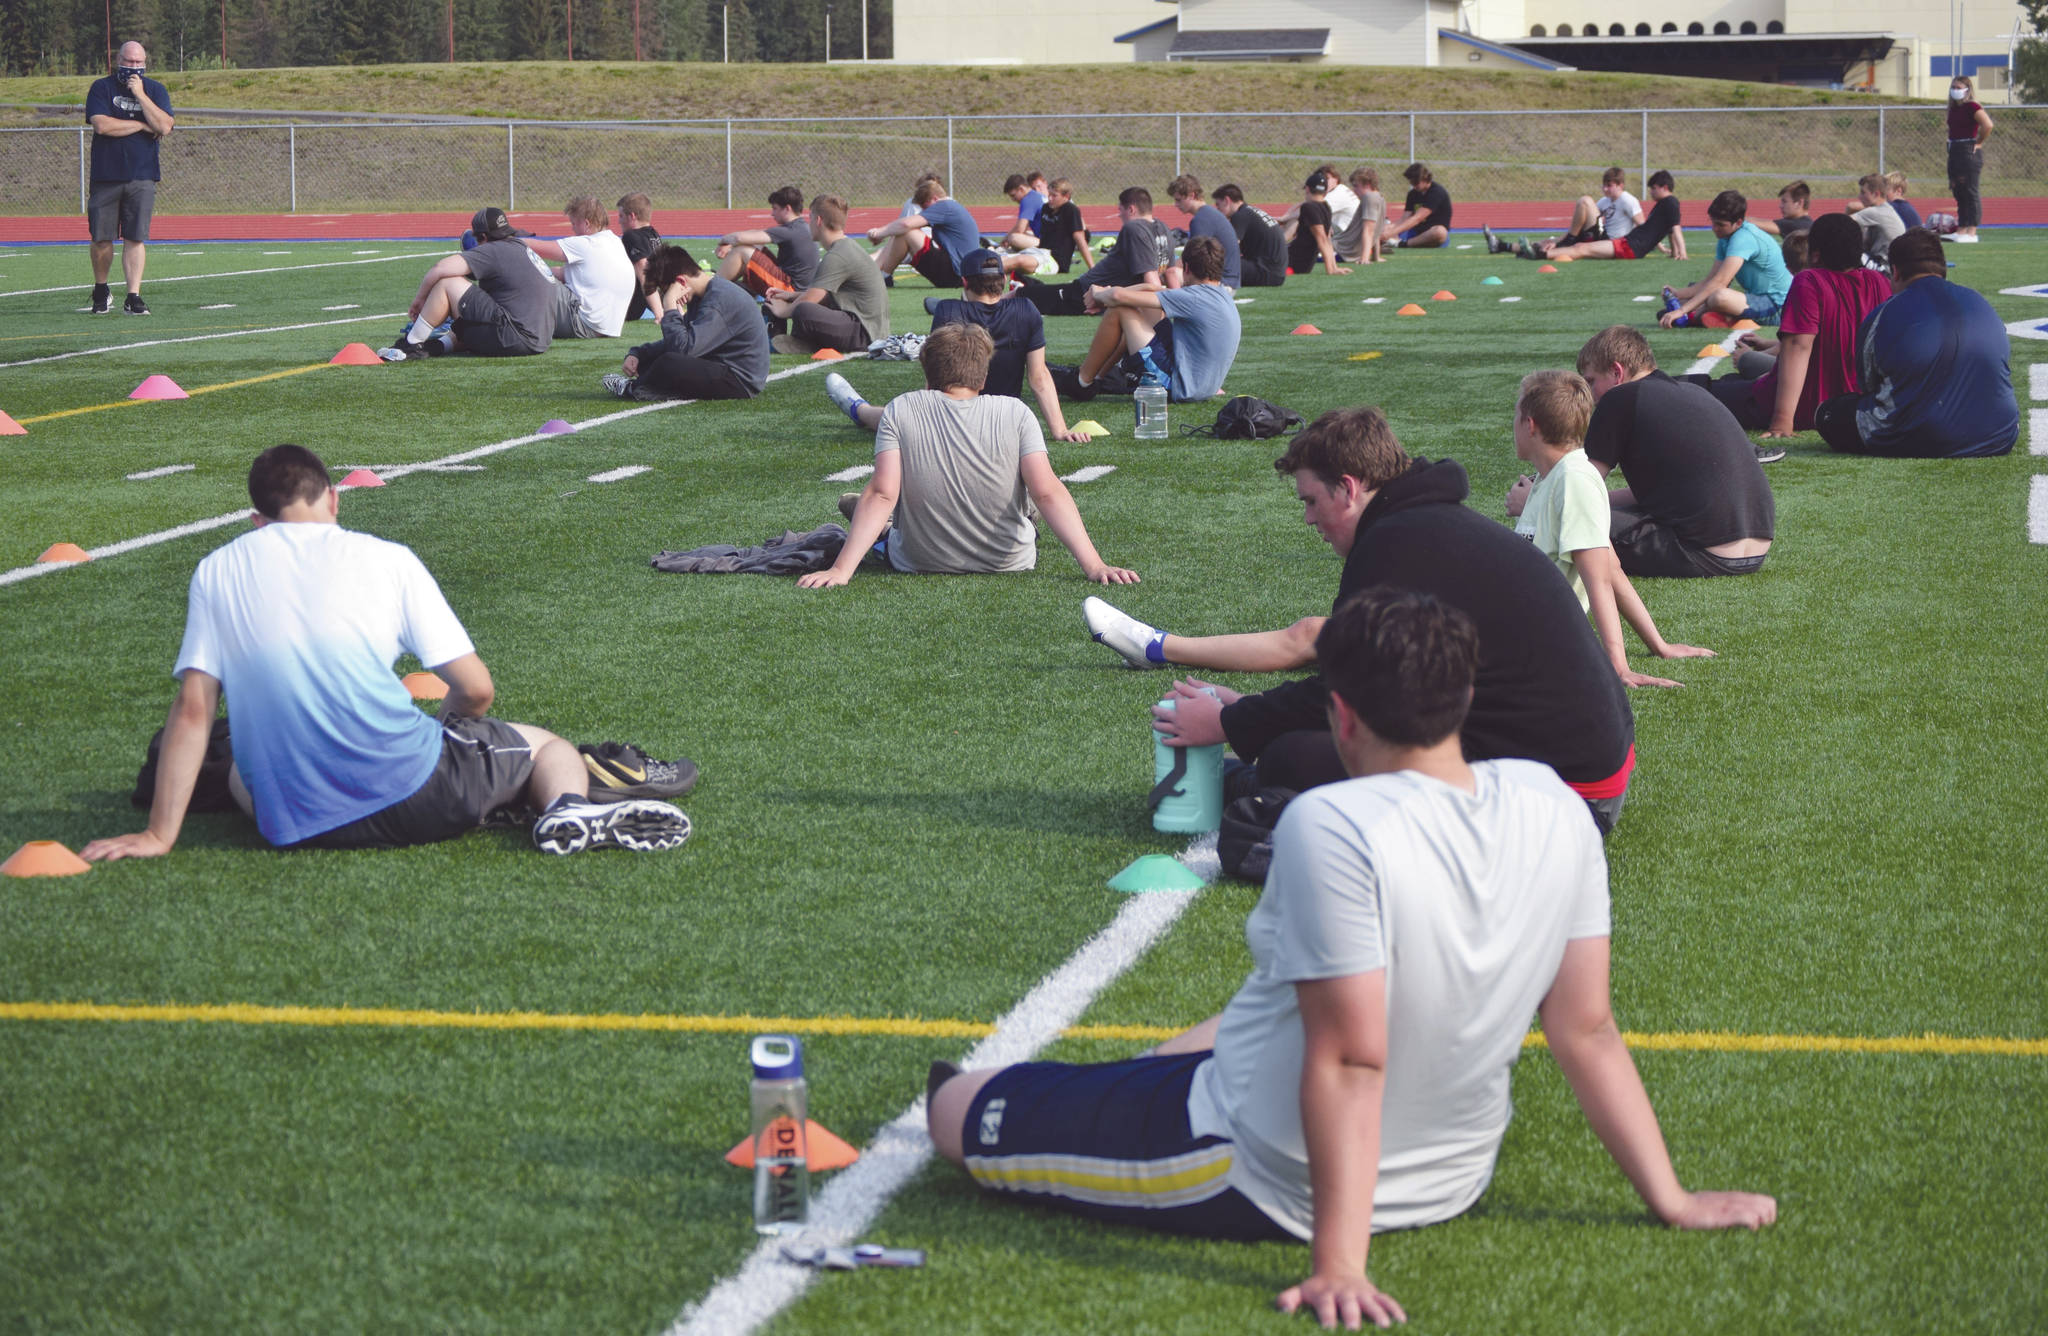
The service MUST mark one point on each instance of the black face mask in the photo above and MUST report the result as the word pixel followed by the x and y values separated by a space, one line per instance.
pixel 126 72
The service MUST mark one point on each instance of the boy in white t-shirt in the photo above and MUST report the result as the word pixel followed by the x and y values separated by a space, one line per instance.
pixel 298 623
pixel 1564 510
pixel 1415 917
pixel 597 279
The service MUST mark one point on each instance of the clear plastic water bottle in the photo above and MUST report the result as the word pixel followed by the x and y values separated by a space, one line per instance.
pixel 1187 788
pixel 1148 403
pixel 782 1175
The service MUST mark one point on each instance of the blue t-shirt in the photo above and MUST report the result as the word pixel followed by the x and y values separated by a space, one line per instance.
pixel 1934 364
pixel 1205 333
pixel 953 228
pixel 1908 215
pixel 1014 324
pixel 1763 272
pixel 124 157
pixel 1210 222
pixel 1028 209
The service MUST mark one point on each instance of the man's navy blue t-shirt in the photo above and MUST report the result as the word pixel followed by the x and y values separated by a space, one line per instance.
pixel 124 157
pixel 1210 222
pixel 1015 325
pixel 953 228
pixel 1934 364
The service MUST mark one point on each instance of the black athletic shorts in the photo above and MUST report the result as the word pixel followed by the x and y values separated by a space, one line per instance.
pixel 1646 546
pixel 120 209
pixel 936 265
pixel 484 765
pixel 487 329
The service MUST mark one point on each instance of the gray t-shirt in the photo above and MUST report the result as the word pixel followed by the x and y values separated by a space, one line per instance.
pixel 1881 226
pixel 850 276
pixel 1205 334
pixel 506 271
pixel 1210 222
pixel 796 251
pixel 962 508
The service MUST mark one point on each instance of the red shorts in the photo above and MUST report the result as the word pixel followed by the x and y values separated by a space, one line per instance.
pixel 1615 784
pixel 1624 251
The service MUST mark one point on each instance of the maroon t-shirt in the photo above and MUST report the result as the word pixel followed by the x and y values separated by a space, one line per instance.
pixel 1830 305
pixel 1962 119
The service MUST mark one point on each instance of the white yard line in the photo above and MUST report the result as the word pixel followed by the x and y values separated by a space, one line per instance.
pixel 2037 431
pixel 240 273
pixel 854 474
pixel 2037 380
pixel 620 474
pixel 1510 299
pixel 2037 509
pixel 163 472
pixel 849 1204
pixel 1706 364
pixel 442 464
pixel 345 306
pixel 1089 474
pixel 199 338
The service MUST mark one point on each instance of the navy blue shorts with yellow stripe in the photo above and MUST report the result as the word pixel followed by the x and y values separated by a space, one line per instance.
pixel 1111 1141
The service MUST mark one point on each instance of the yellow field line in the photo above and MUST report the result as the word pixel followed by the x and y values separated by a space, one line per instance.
pixel 242 1013
pixel 203 389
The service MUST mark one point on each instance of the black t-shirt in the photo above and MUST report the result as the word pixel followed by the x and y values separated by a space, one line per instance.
pixel 1544 690
pixel 1657 224
pixel 1142 245
pixel 1791 226
pixel 1258 240
pixel 1017 328
pixel 1437 201
pixel 640 242
pixel 1302 253
pixel 1686 458
pixel 1056 228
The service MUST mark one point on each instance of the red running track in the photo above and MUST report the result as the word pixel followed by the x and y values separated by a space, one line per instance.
pixel 1507 216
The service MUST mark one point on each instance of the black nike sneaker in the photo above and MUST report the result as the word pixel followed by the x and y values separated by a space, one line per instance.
pixel 619 770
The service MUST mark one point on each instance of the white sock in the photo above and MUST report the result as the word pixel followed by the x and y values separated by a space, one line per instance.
pixel 419 331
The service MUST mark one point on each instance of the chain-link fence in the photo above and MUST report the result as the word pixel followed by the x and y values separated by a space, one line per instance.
pixel 1510 155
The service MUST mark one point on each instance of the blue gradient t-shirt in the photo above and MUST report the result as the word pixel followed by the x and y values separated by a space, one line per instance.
pixel 301 623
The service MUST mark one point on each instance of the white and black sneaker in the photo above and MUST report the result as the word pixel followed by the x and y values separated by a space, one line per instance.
pixel 628 387
pixel 102 299
pixel 1494 245
pixel 1769 454
pixel 1140 646
pixel 574 824
pixel 403 351
pixel 135 305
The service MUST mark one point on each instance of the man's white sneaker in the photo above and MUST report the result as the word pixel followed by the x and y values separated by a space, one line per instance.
pixel 1128 636
pixel 843 395
pixel 640 824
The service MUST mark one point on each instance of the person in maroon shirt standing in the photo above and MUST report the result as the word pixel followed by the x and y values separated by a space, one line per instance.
pixel 1969 125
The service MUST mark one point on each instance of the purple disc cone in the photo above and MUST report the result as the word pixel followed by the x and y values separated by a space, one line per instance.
pixel 555 427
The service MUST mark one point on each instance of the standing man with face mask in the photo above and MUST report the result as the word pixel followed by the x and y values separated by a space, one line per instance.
pixel 129 115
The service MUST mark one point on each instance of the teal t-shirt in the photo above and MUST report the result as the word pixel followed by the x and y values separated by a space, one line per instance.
pixel 1763 272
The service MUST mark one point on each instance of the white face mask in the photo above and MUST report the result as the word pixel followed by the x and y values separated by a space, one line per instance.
pixel 1958 94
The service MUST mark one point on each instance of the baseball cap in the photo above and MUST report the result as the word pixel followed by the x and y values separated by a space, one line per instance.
pixel 1317 182
pixel 981 262
pixel 491 224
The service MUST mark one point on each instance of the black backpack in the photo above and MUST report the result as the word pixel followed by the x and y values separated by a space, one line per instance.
pixel 1247 419
pixel 1245 842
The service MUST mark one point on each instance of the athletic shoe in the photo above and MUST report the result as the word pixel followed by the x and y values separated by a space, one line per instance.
pixel 791 345
pixel 619 770
pixel 403 351
pixel 1963 238
pixel 1140 645
pixel 897 348
pixel 102 299
pixel 844 397
pixel 931 305
pixel 1494 245
pixel 135 305
pixel 574 824
pixel 1769 454
pixel 1524 251
pixel 626 387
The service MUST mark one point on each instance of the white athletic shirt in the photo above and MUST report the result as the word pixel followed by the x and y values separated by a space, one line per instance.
pixel 1466 900
pixel 301 624
pixel 597 271
pixel 1343 202
pixel 1618 215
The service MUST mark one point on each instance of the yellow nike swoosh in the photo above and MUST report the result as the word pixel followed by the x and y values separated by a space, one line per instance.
pixel 632 776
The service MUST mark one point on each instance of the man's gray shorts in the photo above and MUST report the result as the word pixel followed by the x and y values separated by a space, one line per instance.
pixel 485 764
pixel 570 322
pixel 120 209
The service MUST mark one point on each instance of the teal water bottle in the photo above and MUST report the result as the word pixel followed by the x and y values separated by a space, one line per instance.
pixel 1187 785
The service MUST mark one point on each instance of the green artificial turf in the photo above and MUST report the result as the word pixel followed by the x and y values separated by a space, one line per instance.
pixel 914 790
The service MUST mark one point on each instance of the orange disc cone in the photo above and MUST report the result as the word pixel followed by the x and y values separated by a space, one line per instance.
pixel 9 427
pixel 44 858
pixel 1744 324
pixel 1444 295
pixel 827 355
pixel 1712 350
pixel 1411 309
pixel 425 686
pixel 64 552
pixel 822 1150
pixel 1304 329
pixel 158 387
pixel 1546 268
pixel 356 354
pixel 362 478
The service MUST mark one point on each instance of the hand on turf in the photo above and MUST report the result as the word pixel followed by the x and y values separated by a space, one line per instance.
pixel 1779 435
pixel 1113 575
pixel 1671 651
pixel 142 844
pixel 1349 1300
pixel 1631 678
pixel 1722 1210
pixel 1070 434
pixel 822 580
pixel 1339 269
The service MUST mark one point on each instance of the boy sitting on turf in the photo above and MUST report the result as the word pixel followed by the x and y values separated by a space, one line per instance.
pixel 1878 219
pixel 1416 915
pixel 1143 248
pixel 743 260
pixel 1657 228
pixel 1895 194
pixel 1017 329
pixel 1184 338
pixel 595 282
pixel 1060 229
pixel 1564 511
pixel 1748 280
pixel 298 622
pixel 639 236
pixel 936 235
pixel 847 306
pixel 959 472
pixel 1792 217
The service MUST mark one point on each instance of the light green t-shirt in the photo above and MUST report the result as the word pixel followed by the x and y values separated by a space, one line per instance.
pixel 1567 512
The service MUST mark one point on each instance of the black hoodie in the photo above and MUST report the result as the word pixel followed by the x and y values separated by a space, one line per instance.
pixel 1545 690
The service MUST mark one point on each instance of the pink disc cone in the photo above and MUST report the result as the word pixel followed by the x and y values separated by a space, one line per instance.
pixel 159 387
pixel 555 427
pixel 362 478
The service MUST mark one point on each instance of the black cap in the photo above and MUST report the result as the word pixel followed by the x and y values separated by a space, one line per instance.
pixel 1317 183
pixel 981 262
pixel 491 224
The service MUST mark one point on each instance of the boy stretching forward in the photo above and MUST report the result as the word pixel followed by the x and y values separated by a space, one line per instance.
pixel 1564 511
